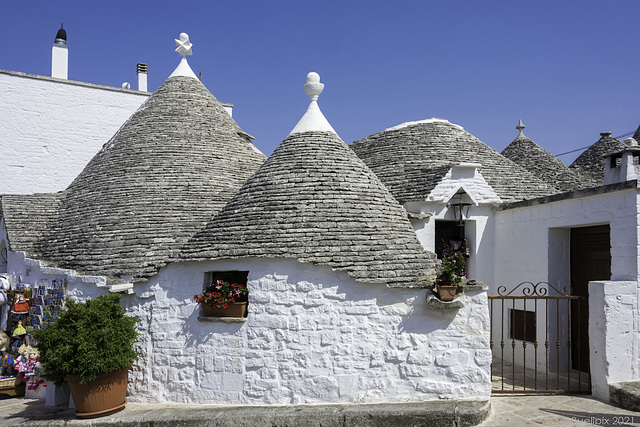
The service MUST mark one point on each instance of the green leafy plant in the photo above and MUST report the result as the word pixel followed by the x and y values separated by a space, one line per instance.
pixel 87 339
pixel 451 271
pixel 220 294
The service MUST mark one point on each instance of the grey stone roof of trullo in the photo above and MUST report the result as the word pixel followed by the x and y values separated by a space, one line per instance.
pixel 545 165
pixel 161 177
pixel 636 135
pixel 27 218
pixel 315 201
pixel 591 161
pixel 412 159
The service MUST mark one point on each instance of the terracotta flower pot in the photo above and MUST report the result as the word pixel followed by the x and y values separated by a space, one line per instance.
pixel 103 396
pixel 447 292
pixel 235 309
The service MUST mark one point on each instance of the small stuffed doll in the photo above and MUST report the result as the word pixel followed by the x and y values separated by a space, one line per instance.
pixel 20 305
pixel 27 362
pixel 19 330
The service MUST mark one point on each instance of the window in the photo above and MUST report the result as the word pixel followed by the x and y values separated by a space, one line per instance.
pixel 616 161
pixel 523 325
pixel 239 277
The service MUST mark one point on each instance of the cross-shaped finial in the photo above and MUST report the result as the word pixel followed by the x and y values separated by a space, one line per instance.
pixel 183 46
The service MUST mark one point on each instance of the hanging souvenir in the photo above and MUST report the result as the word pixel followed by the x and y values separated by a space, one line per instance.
pixel 19 330
pixel 4 340
pixel 4 287
pixel 20 305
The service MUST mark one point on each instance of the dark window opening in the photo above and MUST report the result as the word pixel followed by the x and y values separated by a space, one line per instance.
pixel 616 161
pixel 449 237
pixel 239 277
pixel 523 325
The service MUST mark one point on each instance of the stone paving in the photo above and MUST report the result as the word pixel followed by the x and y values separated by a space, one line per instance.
pixel 507 410
pixel 556 410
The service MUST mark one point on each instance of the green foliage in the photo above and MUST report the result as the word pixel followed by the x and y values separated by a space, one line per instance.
pixel 451 270
pixel 88 338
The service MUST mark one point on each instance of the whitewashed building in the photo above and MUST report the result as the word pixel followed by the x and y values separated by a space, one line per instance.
pixel 337 246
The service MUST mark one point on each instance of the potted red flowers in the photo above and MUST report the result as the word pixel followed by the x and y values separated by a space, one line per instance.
pixel 450 276
pixel 223 299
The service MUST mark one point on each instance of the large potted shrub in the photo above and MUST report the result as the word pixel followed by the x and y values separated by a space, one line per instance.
pixel 90 346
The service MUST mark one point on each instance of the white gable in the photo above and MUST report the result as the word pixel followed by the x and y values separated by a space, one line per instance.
pixel 464 176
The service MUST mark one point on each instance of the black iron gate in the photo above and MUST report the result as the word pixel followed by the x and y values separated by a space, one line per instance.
pixel 537 330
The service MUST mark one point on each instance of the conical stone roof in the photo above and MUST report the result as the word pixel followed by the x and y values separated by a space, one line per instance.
pixel 165 173
pixel 315 201
pixel 544 165
pixel 591 161
pixel 411 158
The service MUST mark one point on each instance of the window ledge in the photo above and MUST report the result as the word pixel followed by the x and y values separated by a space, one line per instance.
pixel 435 302
pixel 207 319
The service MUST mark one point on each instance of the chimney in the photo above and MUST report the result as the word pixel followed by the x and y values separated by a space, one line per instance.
pixel 60 55
pixel 141 70
pixel 623 165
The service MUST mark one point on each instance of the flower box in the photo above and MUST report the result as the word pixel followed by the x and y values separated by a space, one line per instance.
pixel 235 309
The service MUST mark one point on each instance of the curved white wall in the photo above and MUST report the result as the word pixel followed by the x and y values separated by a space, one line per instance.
pixel 312 336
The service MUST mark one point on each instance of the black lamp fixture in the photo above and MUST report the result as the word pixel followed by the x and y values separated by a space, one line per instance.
pixel 460 207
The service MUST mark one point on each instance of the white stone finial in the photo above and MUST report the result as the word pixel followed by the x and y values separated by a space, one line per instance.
pixel 313 88
pixel 183 45
pixel 520 127
pixel 184 48
pixel 631 142
pixel 313 119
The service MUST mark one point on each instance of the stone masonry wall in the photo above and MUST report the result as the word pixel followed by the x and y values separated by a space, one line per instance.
pixel 312 336
pixel 51 128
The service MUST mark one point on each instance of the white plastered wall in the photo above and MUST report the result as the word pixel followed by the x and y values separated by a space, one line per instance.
pixel 532 244
pixel 51 128
pixel 478 220
pixel 312 336
pixel 614 333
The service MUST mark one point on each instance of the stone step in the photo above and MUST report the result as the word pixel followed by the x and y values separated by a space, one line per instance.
pixel 626 395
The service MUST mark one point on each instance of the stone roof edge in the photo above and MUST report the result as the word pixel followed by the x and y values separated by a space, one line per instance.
pixel 572 194
pixel 74 82
pixel 175 258
pixel 83 84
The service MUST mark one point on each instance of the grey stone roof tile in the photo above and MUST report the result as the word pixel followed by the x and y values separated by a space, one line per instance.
pixel 27 218
pixel 315 201
pixel 163 175
pixel 591 161
pixel 411 160
pixel 545 165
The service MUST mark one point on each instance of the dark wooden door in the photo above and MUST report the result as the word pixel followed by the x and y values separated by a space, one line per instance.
pixel 590 260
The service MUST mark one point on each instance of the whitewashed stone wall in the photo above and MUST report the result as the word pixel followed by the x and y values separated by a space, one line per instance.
pixel 522 236
pixel 51 128
pixel 479 228
pixel 614 334
pixel 532 244
pixel 312 336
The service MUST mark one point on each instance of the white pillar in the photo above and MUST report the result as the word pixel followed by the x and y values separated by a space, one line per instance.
pixel 60 61
pixel 141 70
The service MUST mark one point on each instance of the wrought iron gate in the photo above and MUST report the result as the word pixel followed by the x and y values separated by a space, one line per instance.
pixel 530 315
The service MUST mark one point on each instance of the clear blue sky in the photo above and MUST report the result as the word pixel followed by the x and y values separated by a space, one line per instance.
pixel 569 69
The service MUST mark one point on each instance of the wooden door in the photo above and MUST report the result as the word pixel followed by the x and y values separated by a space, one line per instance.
pixel 590 260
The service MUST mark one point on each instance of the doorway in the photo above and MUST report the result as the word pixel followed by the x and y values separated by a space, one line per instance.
pixel 590 259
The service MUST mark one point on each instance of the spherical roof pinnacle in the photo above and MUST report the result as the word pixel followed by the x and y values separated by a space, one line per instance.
pixel 313 88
